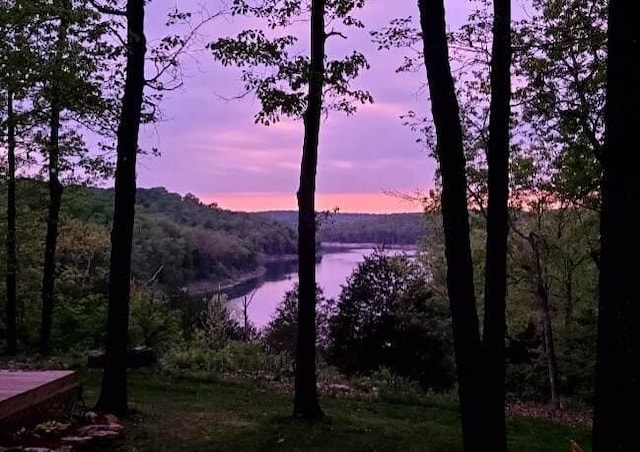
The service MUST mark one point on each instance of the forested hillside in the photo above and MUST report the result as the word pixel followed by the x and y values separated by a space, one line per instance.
pixel 179 235
pixel 384 229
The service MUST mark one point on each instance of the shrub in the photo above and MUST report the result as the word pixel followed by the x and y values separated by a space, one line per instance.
pixel 216 327
pixel 386 317
pixel 235 357
pixel 526 373
pixel 79 323
pixel 153 323
pixel 394 388
pixel 281 332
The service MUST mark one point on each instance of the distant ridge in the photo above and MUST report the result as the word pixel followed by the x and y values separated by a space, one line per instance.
pixel 384 228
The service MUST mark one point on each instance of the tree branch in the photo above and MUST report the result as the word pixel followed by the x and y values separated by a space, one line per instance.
pixel 107 10
pixel 334 33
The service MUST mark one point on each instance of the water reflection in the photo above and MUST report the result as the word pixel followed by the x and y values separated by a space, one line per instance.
pixel 267 291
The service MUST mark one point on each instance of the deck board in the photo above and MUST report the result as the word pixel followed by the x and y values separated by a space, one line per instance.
pixel 24 390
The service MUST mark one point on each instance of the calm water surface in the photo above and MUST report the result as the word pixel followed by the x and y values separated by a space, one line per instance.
pixel 331 273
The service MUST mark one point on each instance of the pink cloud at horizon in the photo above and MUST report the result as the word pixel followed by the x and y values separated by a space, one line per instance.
pixel 345 202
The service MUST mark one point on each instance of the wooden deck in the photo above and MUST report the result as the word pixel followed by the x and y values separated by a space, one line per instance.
pixel 28 397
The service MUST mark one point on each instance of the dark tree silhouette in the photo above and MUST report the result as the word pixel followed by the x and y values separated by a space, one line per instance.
pixel 495 288
pixel 113 393
pixel 480 363
pixel 12 342
pixel 455 218
pixel 55 187
pixel 306 395
pixel 617 392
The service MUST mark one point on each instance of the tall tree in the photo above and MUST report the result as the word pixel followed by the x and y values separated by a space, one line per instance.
pixel 55 187
pixel 15 61
pixel 306 397
pixel 617 392
pixel 455 218
pixel 12 346
pixel 283 93
pixel 71 97
pixel 480 363
pixel 113 392
pixel 495 285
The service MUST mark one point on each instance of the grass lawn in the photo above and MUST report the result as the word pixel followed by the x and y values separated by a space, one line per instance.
pixel 187 415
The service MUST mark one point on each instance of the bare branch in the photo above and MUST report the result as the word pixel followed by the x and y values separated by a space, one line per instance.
pixel 154 277
pixel 107 10
pixel 171 61
pixel 334 33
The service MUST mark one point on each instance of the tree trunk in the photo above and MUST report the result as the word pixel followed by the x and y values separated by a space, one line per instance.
pixel 306 403
pixel 55 191
pixel 113 394
pixel 12 342
pixel 617 391
pixel 568 294
pixel 245 314
pixel 495 289
pixel 542 296
pixel 455 217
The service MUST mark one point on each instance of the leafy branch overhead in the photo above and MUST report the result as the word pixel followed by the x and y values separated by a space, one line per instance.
pixel 557 111
pixel 277 74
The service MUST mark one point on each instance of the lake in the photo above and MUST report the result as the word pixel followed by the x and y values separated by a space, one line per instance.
pixel 331 273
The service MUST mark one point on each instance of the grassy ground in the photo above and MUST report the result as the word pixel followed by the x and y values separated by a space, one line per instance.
pixel 187 415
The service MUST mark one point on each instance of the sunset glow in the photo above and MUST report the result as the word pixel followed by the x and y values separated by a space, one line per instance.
pixel 345 202
pixel 211 147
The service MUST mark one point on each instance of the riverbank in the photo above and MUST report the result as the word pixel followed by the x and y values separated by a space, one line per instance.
pixel 279 265
pixel 339 246
pixel 229 285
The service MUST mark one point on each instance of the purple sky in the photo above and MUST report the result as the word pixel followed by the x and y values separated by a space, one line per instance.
pixel 212 148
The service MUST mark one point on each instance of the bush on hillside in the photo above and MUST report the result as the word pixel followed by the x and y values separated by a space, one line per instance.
pixel 281 332
pixel 387 317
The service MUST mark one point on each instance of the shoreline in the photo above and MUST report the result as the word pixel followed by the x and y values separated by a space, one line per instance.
pixel 200 288
pixel 356 245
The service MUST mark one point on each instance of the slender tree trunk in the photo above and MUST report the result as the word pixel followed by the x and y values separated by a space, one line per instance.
pixel 55 192
pixel 495 289
pixel 617 391
pixel 55 201
pixel 455 217
pixel 12 342
pixel 568 294
pixel 113 394
pixel 542 296
pixel 306 403
pixel 245 314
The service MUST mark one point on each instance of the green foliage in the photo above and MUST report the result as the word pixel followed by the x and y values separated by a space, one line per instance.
pixel 394 388
pixel 78 323
pixel 233 357
pixel 216 326
pixel 386 316
pixel 280 335
pixel 60 53
pixel 561 59
pixel 557 127
pixel 193 241
pixel 577 364
pixel 275 72
pixel 176 242
pixel 526 377
pixel 153 323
